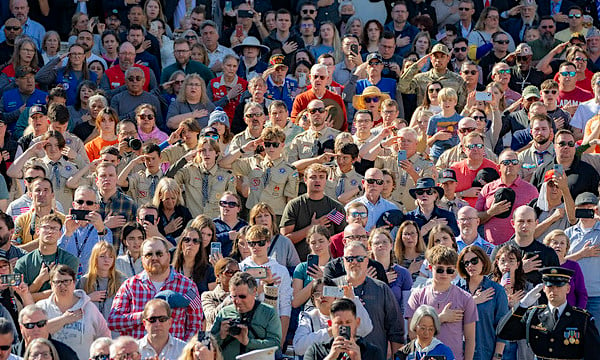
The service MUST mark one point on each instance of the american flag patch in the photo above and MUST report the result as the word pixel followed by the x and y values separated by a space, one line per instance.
pixel 335 216
pixel 194 299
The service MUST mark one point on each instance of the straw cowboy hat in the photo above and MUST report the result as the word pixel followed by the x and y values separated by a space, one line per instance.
pixel 358 101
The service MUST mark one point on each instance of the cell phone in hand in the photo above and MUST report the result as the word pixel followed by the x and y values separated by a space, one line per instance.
pixel 584 213
pixel 257 272
pixel 344 331
pixel 312 260
pixel 401 156
pixel 333 291
pixel 10 279
pixel 149 218
pixel 483 96
pixel 301 79
pixel 558 169
pixel 79 214
pixel 239 30
pixel 354 48
pixel 215 248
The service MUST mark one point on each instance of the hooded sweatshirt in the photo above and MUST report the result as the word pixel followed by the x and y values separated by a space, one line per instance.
pixel 80 334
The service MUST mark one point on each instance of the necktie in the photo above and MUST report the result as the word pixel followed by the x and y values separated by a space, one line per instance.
pixel 555 316
pixel 316 144
pixel 487 3
pixel 340 187
pixel 55 173
pixel 267 174
pixel 451 206
pixel 540 156
pixel 153 185
pixel 205 188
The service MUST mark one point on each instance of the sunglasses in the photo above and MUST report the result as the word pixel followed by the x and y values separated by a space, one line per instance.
pixel 522 58
pixel 146 116
pixel 87 202
pixel 31 178
pixel 576 16
pixel 357 258
pixel 320 110
pixel 39 324
pixel 239 296
pixel 466 130
pixel 212 136
pixel 475 146
pixel 464 9
pixel 158 254
pixel 568 73
pixel 473 261
pixel 504 71
pixel 369 100
pixel 547 27
pixel 5 347
pixel 479 118
pixel 135 78
pixel 432 90
pixel 448 271
pixel 153 319
pixel 12 28
pixel 505 42
pixel 358 214
pixel 374 181
pixel 230 272
pixel 553 92
pixel 229 204
pixel 64 282
pixel 271 144
pixel 566 143
pixel 322 77
pixel 374 63
pixel 257 243
pixel 420 192
pixel 254 115
pixel 189 239
pixel 580 59
pixel 470 72
pixel 311 11
pixel 509 162
pixel 100 357
pixel 460 49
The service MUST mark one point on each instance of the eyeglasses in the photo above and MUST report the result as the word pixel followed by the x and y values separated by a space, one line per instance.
pixel 64 282
pixel 40 324
pixel 254 115
pixel 158 254
pixel 473 261
pixel 320 110
pixel 509 162
pixel 135 78
pixel 229 204
pixel 146 116
pixel 504 42
pixel 466 130
pixel 307 11
pixel 271 144
pixel 576 16
pixel 475 146
pixel 566 143
pixel 470 72
pixel 479 118
pixel 504 71
pixel 100 357
pixel 87 202
pixel 187 240
pixel 193 85
pixel 522 58
pixel 306 26
pixel 357 258
pixel 358 214
pixel 50 228
pixel 568 73
pixel 374 181
pixel 420 192
pixel 356 237
pixel 181 51
pixel 448 271
pixel 466 219
pixel 460 49
pixel 553 92
pixel 12 28
pixel 153 319
pixel 579 58
pixel 31 178
pixel 434 90
pixel 230 272
pixel 260 243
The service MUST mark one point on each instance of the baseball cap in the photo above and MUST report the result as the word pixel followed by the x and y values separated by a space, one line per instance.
pixel 586 198
pixel 523 50
pixel 531 91
pixel 556 276
pixel 37 109
pixel 277 60
pixel 439 47
pixel 21 71
pixel 374 56
pixel 447 175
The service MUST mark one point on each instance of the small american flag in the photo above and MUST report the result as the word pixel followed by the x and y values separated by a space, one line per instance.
pixel 194 299
pixel 335 216
pixel 505 279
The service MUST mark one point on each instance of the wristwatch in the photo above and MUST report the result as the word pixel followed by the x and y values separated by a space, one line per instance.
pixel 498 356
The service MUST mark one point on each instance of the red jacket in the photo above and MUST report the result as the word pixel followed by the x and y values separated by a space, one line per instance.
pixel 219 91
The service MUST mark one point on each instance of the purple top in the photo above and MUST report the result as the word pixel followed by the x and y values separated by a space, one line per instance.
pixel 578 295
pixel 403 283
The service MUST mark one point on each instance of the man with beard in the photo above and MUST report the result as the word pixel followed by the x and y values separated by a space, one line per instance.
pixel 184 62
pixel 12 29
pixel 460 46
pixel 85 39
pixel 523 73
pixel 546 42
pixel 113 80
pixel 593 47
pixel 541 151
pixel 127 309
pixel 7 227
pixel 522 18
pixel 127 101
pixel 33 29
pixel 135 35
pixel 136 16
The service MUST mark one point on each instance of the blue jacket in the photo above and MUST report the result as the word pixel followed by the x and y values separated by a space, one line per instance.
pixel 70 83
pixel 12 101
pixel 284 93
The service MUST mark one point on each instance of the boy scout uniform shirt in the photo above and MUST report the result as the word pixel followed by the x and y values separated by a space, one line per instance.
pixel 305 145
pixel 274 189
pixel 219 180
pixel 404 181
pixel 142 185
pixel 173 153
pixel 59 176
pixel 126 159
pixel 531 159
pixel 338 182
pixel 75 144
pixel 240 140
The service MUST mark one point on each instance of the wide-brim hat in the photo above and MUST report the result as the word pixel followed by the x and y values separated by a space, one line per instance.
pixel 426 183
pixel 250 41
pixel 358 101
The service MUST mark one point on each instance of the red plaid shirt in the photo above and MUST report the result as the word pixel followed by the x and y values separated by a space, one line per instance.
pixel 126 312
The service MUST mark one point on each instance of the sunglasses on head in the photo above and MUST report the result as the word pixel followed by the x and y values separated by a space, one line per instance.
pixel 473 261
pixel 470 72
pixel 505 42
pixel 153 319
pixel 87 202
pixel 466 130
pixel 474 146
pixel 39 324
pixel 257 243
pixel 369 100
pixel 509 162
pixel 568 73
pixel 271 144
pixel 460 49
pixel 320 110
pixel 448 271
pixel 189 239
pixel 553 92
pixel 420 192
pixel 146 116
pixel 374 181
pixel 566 143
pixel 357 258
pixel 135 78
pixel 229 204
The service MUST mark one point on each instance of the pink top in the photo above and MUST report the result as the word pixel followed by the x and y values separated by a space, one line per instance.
pixel 465 176
pixel 156 134
pixel 498 231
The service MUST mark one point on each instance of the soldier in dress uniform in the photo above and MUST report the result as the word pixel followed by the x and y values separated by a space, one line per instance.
pixel 556 330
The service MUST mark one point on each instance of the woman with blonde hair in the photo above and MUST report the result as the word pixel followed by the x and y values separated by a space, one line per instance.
pixel 192 102
pixel 106 123
pixel 191 259
pixel 202 350
pixel 102 279
pixel 40 348
pixel 487 24
pixel 200 54
pixel 172 214
pixel 328 41
pixel 153 10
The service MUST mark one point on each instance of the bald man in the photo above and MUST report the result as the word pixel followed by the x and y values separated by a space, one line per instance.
pixel 372 199
pixel 536 255
pixel 12 29
pixel 468 221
